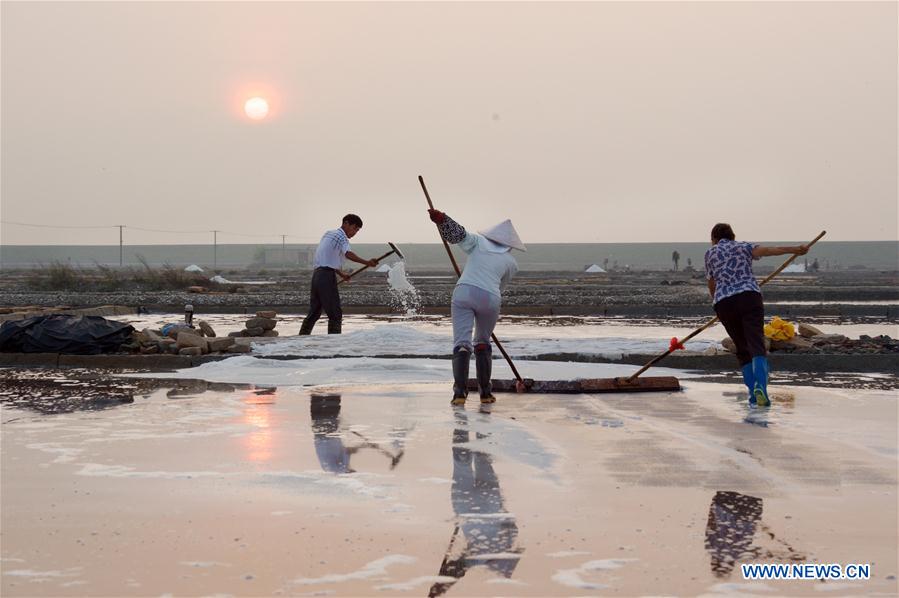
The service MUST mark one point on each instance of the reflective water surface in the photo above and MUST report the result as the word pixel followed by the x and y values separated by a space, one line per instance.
pixel 122 486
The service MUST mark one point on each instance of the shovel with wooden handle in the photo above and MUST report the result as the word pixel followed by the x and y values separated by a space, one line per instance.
pixel 393 249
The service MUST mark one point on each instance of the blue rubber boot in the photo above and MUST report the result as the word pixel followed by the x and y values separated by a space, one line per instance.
pixel 749 381
pixel 760 371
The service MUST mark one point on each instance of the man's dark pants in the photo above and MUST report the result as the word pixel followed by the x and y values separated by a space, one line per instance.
pixel 743 316
pixel 324 296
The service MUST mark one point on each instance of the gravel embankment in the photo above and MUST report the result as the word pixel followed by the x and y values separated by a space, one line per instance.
pixel 534 293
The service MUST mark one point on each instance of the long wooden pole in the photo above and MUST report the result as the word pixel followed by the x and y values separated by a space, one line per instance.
pixel 708 324
pixel 452 258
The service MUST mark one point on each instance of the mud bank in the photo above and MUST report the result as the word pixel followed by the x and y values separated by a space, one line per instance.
pixel 531 293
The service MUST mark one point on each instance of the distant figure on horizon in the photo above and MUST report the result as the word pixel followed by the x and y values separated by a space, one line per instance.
pixel 737 300
pixel 477 297
pixel 327 263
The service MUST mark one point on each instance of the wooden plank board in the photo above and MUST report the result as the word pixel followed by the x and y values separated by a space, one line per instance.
pixel 587 385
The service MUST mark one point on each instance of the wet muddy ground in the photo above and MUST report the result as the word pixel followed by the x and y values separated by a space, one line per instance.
pixel 137 486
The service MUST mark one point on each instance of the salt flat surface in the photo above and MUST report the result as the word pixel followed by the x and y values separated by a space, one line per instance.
pixel 430 339
pixel 352 476
pixel 384 490
pixel 247 369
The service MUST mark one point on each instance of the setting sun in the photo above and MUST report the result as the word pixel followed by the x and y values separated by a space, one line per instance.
pixel 256 108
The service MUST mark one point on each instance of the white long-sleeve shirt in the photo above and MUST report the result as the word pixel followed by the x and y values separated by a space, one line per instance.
pixel 485 269
pixel 331 249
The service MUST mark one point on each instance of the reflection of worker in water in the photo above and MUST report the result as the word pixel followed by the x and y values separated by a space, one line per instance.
pixel 733 518
pixel 333 454
pixel 489 532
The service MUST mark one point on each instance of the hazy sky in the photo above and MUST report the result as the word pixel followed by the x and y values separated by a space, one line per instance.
pixel 583 122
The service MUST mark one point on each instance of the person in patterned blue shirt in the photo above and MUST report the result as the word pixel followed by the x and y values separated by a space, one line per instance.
pixel 737 300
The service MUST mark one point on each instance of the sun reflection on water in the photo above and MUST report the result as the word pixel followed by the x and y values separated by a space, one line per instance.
pixel 258 442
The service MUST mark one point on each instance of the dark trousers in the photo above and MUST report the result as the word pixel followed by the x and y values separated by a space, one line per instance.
pixel 743 316
pixel 323 296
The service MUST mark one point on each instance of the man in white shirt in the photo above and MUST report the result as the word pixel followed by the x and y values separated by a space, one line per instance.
pixel 328 261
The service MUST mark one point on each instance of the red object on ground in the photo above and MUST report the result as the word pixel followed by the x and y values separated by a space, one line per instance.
pixel 675 345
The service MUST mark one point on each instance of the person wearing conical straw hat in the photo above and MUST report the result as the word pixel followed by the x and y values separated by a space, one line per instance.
pixel 737 300
pixel 477 297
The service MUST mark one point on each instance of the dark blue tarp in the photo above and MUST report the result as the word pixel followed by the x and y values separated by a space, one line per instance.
pixel 58 333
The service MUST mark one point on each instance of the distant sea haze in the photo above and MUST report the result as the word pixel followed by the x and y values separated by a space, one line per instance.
pixel 842 255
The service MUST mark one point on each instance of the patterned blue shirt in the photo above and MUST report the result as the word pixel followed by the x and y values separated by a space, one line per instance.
pixel 730 264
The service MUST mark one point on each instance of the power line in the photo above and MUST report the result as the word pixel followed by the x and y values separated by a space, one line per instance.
pixel 225 232
pixel 272 236
pixel 306 239
pixel 55 226
pixel 158 230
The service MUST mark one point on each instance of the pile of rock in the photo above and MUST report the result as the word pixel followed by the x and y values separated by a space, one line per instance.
pixel 184 340
pixel 263 324
pixel 811 340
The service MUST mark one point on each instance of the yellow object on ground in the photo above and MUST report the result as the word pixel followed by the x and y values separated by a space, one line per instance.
pixel 779 330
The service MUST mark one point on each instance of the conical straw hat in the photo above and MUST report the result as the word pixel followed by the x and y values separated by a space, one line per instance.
pixel 504 234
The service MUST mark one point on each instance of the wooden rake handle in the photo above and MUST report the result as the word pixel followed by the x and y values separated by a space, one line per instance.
pixel 452 258
pixel 446 246
pixel 792 257
pixel 355 272
pixel 662 356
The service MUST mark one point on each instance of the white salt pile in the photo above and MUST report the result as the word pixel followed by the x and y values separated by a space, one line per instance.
pixel 223 280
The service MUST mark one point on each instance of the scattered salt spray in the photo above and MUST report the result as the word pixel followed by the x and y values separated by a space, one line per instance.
pixel 405 295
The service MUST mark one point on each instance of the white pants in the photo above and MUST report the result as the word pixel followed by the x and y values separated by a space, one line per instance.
pixel 473 307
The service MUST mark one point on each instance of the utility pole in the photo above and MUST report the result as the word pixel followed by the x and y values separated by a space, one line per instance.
pixel 121 252
pixel 284 248
pixel 215 249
